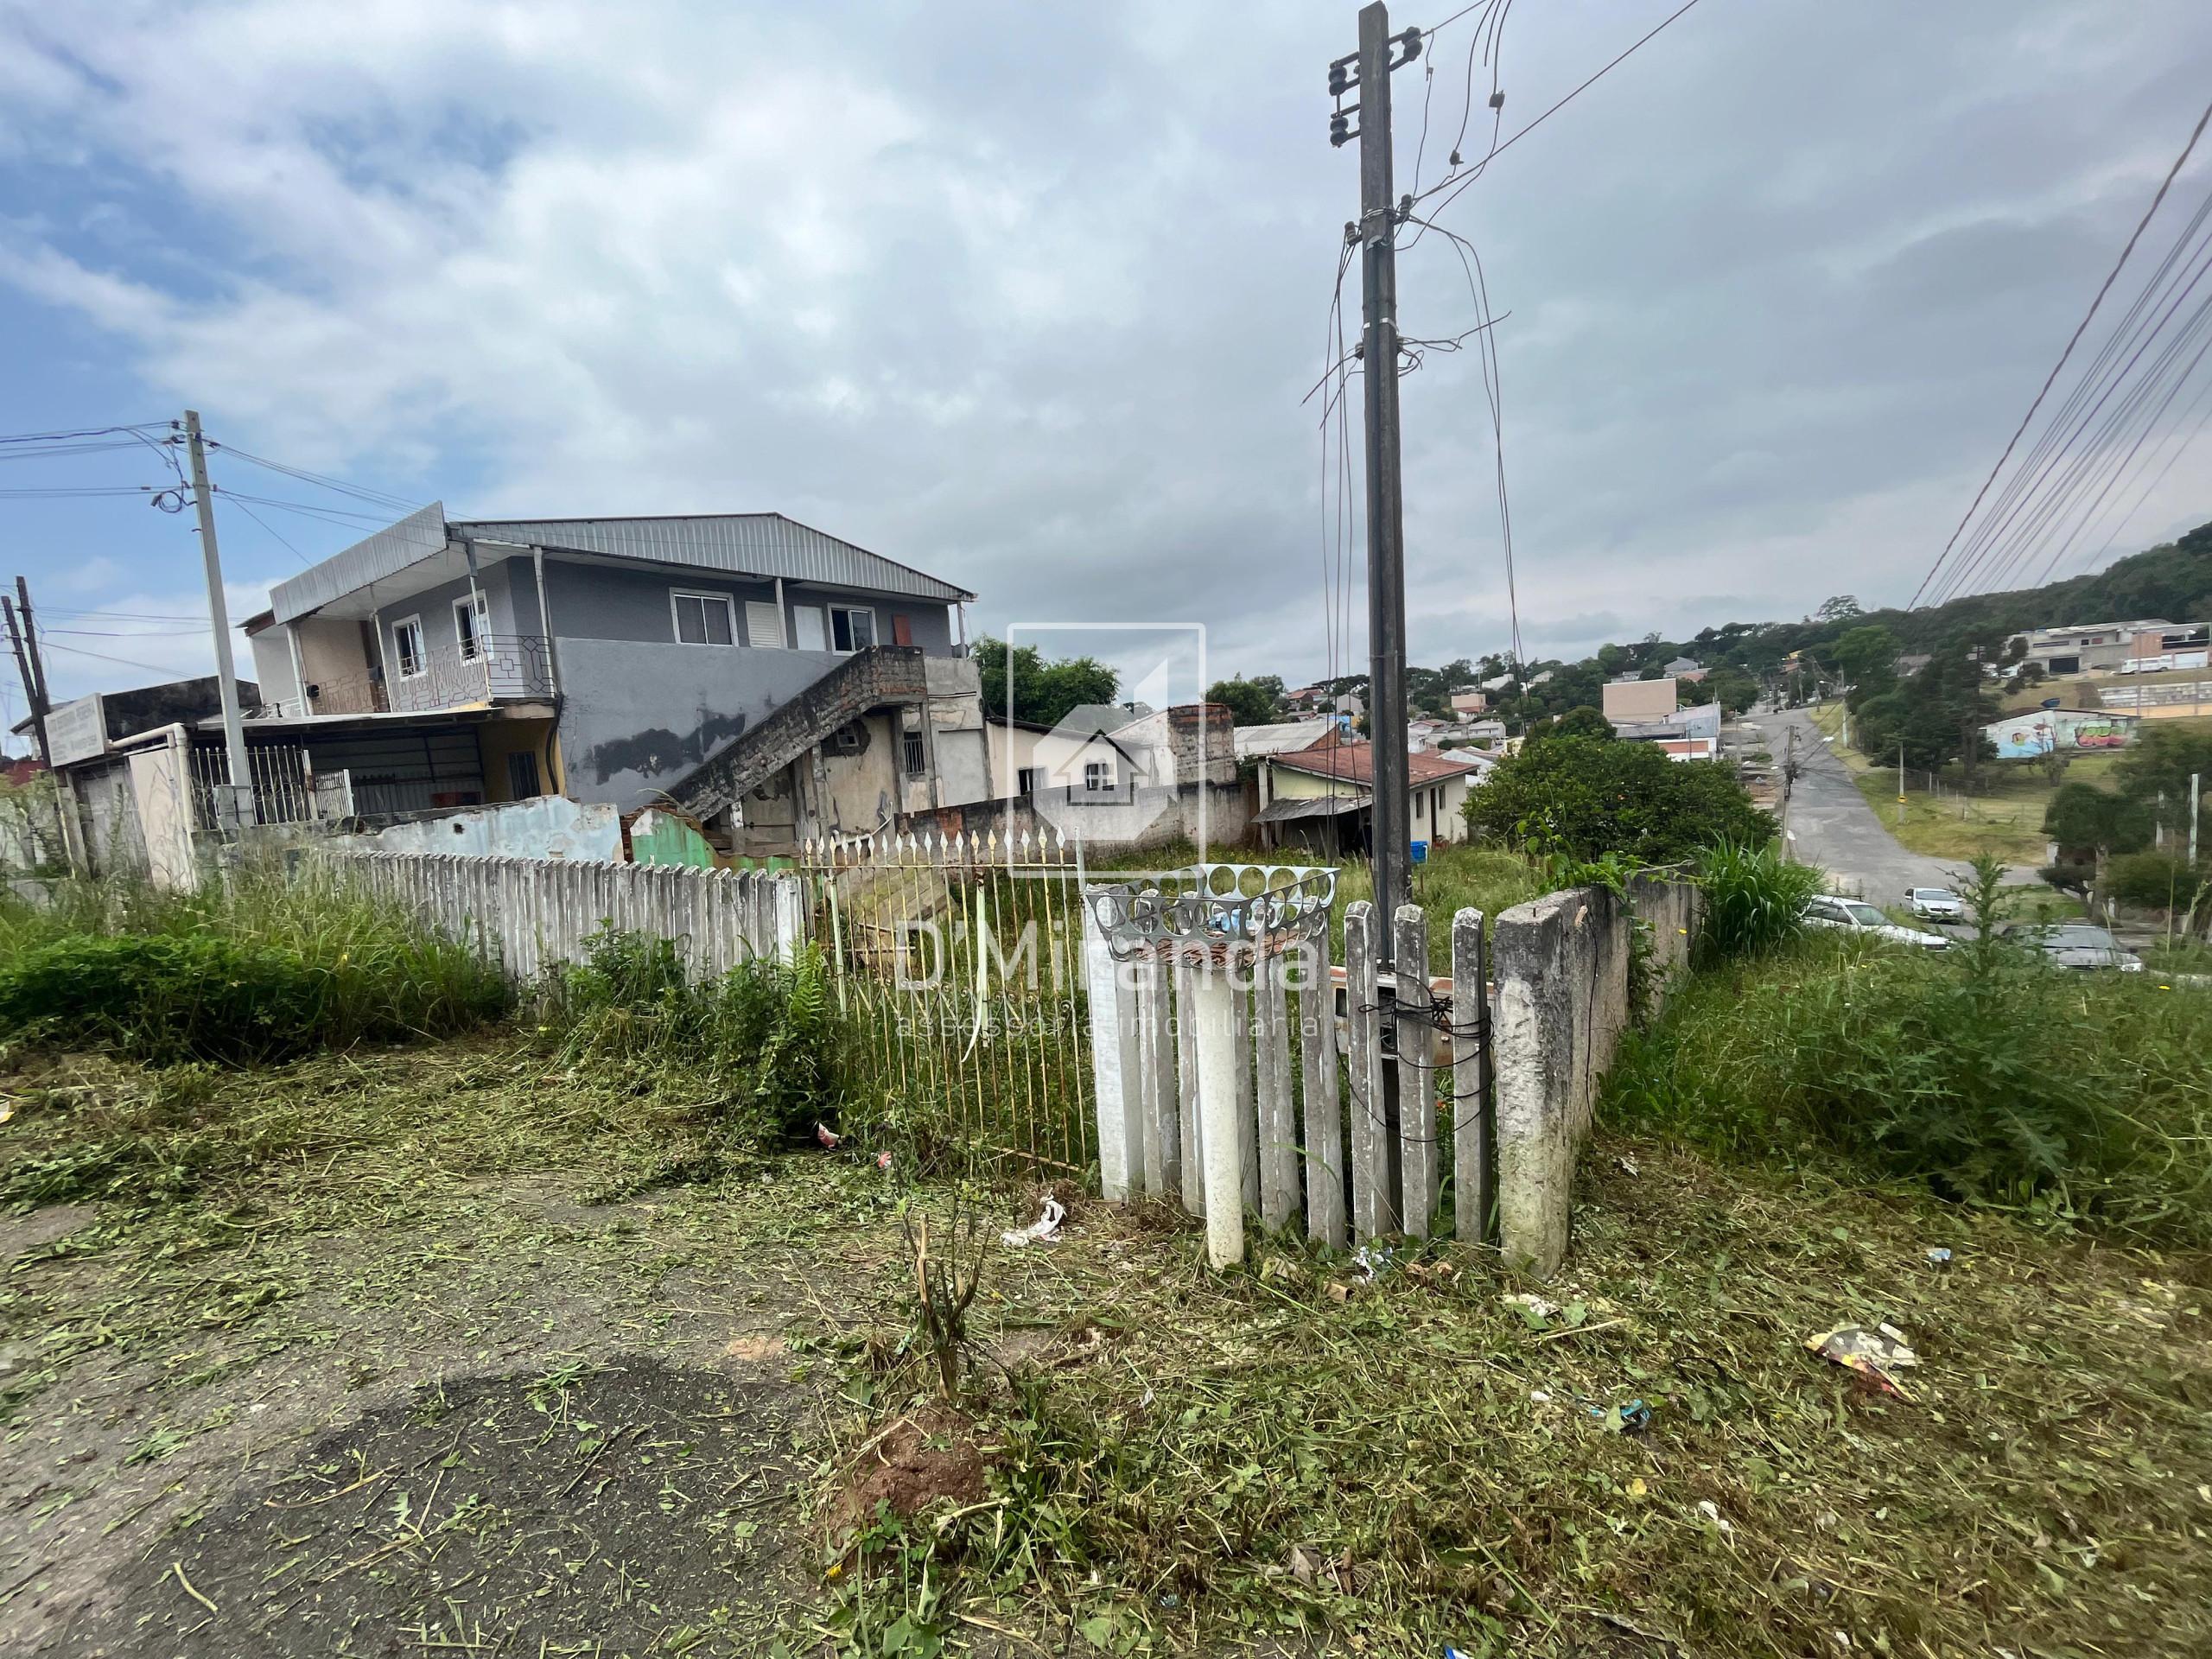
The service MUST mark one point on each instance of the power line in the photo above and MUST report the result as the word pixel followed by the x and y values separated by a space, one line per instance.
pixel 2050 379
pixel 231 500
pixel 80 432
pixel 1459 182
pixel 126 662
pixel 381 499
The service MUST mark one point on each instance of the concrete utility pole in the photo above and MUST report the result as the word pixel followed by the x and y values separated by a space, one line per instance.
pixel 2196 779
pixel 226 683
pixel 27 664
pixel 1377 232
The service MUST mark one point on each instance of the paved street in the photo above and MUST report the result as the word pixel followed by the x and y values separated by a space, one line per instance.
pixel 1831 825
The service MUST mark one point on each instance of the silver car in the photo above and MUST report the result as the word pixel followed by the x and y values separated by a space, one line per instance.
pixel 1857 916
pixel 2076 944
pixel 1935 904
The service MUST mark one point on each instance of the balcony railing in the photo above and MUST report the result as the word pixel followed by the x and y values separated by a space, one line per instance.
pixel 502 667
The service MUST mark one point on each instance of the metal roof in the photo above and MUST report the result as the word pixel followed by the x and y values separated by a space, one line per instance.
pixel 747 544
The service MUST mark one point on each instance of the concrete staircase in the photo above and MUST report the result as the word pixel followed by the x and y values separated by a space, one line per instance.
pixel 867 679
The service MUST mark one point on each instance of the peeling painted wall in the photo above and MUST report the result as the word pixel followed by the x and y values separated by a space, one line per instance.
pixel 548 827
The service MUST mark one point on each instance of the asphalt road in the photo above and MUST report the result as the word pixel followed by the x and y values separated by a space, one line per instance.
pixel 1830 824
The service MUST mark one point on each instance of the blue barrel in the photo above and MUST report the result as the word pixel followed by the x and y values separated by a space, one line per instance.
pixel 1419 851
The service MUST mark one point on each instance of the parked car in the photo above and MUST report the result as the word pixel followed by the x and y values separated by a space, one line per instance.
pixel 1935 904
pixel 2075 944
pixel 1857 916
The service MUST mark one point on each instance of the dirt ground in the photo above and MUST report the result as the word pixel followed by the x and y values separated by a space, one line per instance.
pixel 446 1383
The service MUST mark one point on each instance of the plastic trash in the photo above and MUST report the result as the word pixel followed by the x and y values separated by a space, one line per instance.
pixel 1043 1230
pixel 1938 1257
pixel 1876 1355
pixel 1631 1418
pixel 1372 1260
pixel 883 1158
pixel 828 1136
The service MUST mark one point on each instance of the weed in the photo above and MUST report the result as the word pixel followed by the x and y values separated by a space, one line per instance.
pixel 1754 900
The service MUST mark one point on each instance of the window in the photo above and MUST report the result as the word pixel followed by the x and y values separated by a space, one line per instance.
pixel 407 646
pixel 917 758
pixel 852 627
pixel 848 740
pixel 1024 781
pixel 522 776
pixel 1096 776
pixel 703 618
pixel 472 624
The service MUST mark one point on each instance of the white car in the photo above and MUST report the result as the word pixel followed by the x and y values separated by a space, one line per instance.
pixel 1857 916
pixel 1935 904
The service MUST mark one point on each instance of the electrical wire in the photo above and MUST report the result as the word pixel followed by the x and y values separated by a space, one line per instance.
pixel 229 499
pixel 2081 327
pixel 380 499
pixel 126 662
pixel 80 432
pixel 1457 182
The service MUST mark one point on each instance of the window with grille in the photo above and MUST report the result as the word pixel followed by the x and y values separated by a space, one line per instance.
pixel 703 618
pixel 917 761
pixel 1096 775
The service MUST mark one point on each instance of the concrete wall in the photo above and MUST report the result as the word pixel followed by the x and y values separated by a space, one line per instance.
pixel 1561 966
pixel 546 828
pixel 1639 699
pixel 635 717
pixel 1151 817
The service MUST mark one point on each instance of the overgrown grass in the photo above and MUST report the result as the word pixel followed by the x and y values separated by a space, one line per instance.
pixel 263 964
pixel 1989 1076
pixel 1754 901
pixel 758 1049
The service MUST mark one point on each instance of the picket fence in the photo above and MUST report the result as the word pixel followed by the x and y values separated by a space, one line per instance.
pixel 531 914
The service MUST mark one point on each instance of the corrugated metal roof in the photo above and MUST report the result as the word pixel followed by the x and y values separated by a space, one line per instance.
pixel 749 543
pixel 745 543
pixel 392 550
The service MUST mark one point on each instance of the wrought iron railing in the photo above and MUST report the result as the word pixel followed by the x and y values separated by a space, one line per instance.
pixel 502 667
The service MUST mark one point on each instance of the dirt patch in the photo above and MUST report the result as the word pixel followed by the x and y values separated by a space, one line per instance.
pixel 625 1509
pixel 910 1466
pixel 21 1235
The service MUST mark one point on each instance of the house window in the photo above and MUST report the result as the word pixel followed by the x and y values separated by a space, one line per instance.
pixel 846 740
pixel 703 618
pixel 852 627
pixel 1096 776
pixel 407 646
pixel 522 776
pixel 1024 781
pixel 917 760
pixel 471 623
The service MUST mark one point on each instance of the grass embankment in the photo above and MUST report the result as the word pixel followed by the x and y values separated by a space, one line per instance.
pixel 1981 1072
pixel 1287 1460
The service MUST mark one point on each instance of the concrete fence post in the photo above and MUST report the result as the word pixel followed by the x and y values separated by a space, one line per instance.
pixel 1121 1134
pixel 1418 1170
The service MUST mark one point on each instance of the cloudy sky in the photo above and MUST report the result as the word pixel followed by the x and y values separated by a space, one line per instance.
pixel 1029 295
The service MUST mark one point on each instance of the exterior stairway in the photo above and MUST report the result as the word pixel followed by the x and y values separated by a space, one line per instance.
pixel 867 679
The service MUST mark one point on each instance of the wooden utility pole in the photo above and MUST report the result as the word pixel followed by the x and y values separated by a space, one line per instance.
pixel 226 683
pixel 1376 233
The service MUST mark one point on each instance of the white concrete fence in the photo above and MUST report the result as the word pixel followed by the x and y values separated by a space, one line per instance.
pixel 1514 1045
pixel 531 914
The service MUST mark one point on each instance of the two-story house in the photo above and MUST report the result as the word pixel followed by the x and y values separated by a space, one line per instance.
pixel 775 682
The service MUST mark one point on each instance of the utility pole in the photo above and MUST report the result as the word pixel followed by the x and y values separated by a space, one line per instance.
pixel 226 683
pixel 1376 233
pixel 1900 783
pixel 2196 779
pixel 27 664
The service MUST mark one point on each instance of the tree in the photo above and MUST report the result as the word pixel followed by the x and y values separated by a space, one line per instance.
pixel 2160 765
pixel 1841 608
pixel 1025 683
pixel 1251 703
pixel 1867 656
pixel 1586 797
pixel 1732 689
pixel 2083 818
pixel 1584 722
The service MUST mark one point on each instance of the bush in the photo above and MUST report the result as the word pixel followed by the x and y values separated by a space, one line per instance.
pixel 2154 881
pixel 757 1047
pixel 1586 797
pixel 1986 1075
pixel 1754 900
pixel 166 999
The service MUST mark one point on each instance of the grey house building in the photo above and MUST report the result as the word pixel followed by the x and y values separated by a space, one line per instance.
pixel 774 681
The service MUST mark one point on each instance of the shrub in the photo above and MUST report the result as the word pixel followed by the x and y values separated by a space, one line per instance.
pixel 1754 900
pixel 758 1046
pixel 1586 797
pixel 166 999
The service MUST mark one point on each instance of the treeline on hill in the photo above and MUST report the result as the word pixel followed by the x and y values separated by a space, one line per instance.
pixel 1745 660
